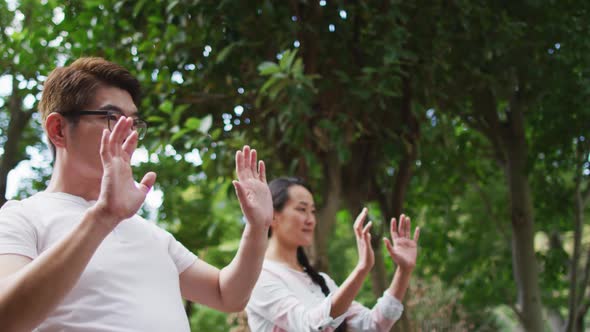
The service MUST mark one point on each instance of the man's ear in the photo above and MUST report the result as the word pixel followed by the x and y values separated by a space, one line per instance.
pixel 55 127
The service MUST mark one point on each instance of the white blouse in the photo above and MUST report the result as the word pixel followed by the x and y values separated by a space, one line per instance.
pixel 288 300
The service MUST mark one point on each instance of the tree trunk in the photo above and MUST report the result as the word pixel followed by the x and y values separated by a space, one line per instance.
pixel 401 185
pixel 327 215
pixel 378 273
pixel 509 142
pixel 19 119
pixel 574 262
pixel 583 300
pixel 580 325
pixel 524 261
pixel 393 205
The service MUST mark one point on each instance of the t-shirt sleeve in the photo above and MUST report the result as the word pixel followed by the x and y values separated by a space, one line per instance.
pixel 17 233
pixel 181 256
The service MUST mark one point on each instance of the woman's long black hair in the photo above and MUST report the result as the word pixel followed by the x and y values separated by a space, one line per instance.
pixel 279 188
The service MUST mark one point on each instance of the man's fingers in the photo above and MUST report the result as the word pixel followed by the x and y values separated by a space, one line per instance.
pixel 239 163
pixel 105 152
pixel 244 167
pixel 408 227
pixel 117 135
pixel 130 143
pixel 253 156
pixel 262 171
pixel 124 133
pixel 246 152
pixel 147 182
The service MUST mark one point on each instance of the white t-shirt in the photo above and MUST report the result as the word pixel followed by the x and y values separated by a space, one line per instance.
pixel 131 282
pixel 288 300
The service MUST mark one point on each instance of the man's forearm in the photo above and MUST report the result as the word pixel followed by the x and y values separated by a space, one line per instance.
pixel 237 280
pixel 29 295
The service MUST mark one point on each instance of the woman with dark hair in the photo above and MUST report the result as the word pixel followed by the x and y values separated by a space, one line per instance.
pixel 291 296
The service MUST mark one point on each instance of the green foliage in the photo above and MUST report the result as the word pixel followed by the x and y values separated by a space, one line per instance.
pixel 207 319
pixel 327 91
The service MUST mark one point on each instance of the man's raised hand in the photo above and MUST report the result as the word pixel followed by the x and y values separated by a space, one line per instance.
pixel 120 197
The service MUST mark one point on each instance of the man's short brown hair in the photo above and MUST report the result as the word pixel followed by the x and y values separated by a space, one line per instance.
pixel 72 88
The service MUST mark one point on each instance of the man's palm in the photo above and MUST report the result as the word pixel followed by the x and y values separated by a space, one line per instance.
pixel 252 190
pixel 119 196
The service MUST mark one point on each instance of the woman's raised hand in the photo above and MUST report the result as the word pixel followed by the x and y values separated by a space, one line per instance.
pixel 404 249
pixel 363 242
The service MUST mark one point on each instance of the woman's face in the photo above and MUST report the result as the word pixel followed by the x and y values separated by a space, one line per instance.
pixel 294 225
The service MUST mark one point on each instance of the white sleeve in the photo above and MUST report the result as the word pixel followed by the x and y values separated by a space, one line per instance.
pixel 17 233
pixel 181 256
pixel 384 314
pixel 381 317
pixel 274 302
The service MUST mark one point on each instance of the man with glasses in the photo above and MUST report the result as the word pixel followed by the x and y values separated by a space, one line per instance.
pixel 76 257
pixel 112 114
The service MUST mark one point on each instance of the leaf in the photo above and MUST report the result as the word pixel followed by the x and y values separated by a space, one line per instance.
pixel 298 67
pixel 155 119
pixel 287 60
pixel 166 107
pixel 222 55
pixel 192 123
pixel 171 6
pixel 137 7
pixel 177 113
pixel 178 135
pixel 270 82
pixel 154 19
pixel 230 245
pixel 276 89
pixel 268 68
pixel 216 133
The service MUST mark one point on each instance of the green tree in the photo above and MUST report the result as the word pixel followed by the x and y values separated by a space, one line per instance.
pixel 499 74
pixel 465 115
pixel 30 41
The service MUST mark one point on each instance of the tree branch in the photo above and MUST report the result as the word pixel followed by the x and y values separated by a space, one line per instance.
pixel 18 122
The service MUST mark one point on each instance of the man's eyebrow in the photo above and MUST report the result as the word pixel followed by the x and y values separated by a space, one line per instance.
pixel 110 107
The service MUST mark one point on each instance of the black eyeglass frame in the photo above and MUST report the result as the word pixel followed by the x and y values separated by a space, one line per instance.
pixel 139 125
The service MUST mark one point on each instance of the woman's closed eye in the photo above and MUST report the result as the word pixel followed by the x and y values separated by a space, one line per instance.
pixel 304 210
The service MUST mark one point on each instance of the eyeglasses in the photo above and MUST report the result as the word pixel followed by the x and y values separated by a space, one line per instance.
pixel 112 117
